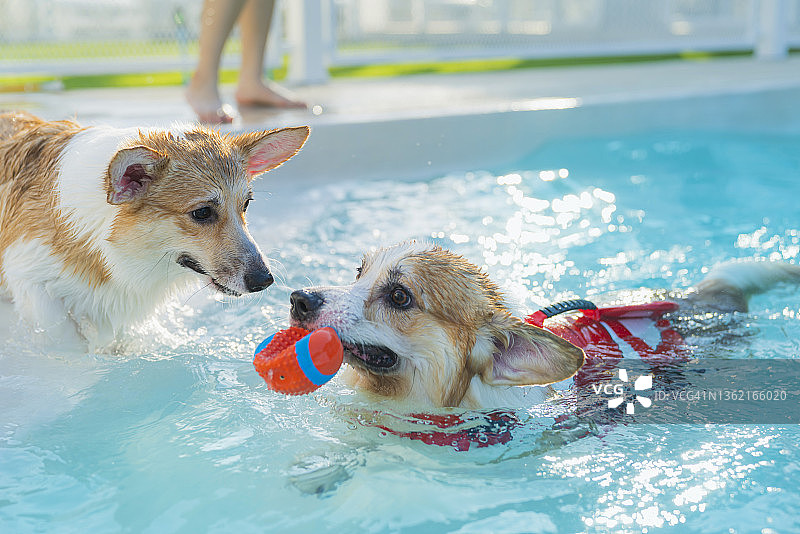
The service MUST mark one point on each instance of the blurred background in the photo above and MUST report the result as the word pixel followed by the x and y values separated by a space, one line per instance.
pixel 55 44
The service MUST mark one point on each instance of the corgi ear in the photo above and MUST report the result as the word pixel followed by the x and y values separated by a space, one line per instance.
pixel 130 173
pixel 267 150
pixel 527 355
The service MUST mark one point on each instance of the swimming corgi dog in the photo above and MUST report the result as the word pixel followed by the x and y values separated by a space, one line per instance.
pixel 425 327
pixel 100 226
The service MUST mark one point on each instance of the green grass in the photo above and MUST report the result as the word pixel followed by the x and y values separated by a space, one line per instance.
pixel 485 65
pixel 99 81
pixel 176 78
pixel 89 50
pixel 153 79
pixel 106 49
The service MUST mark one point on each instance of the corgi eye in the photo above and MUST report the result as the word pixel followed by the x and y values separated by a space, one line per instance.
pixel 400 297
pixel 203 215
pixel 246 203
pixel 359 270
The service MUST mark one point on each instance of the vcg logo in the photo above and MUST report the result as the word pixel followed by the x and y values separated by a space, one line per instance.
pixel 618 391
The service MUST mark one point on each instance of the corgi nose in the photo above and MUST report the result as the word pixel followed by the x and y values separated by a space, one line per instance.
pixel 304 305
pixel 258 280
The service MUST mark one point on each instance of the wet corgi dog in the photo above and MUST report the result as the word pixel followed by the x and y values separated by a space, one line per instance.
pixel 100 226
pixel 423 326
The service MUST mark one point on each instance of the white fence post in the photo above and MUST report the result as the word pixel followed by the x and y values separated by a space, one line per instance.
pixel 772 42
pixel 307 61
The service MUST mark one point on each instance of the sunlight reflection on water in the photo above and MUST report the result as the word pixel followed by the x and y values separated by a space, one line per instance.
pixel 186 437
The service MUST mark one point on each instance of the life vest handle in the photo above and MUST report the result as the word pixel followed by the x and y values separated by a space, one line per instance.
pixel 538 318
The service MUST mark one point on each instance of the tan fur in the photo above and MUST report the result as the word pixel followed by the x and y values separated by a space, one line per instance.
pixel 381 385
pixel 461 299
pixel 478 299
pixel 509 330
pixel 29 151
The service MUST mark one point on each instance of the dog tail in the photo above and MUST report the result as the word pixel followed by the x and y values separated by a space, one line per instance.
pixel 728 286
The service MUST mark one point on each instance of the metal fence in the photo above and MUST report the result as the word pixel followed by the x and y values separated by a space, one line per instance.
pixel 111 36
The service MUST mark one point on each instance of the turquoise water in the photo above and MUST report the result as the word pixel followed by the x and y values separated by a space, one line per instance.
pixel 182 435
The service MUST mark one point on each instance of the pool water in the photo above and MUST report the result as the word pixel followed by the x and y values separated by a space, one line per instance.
pixel 182 435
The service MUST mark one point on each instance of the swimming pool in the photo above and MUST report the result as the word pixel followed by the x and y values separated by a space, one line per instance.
pixel 183 436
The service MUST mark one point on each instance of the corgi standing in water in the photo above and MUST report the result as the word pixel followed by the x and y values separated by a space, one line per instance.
pixel 100 226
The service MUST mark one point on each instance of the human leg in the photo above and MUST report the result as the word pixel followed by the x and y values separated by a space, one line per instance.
pixel 254 24
pixel 217 20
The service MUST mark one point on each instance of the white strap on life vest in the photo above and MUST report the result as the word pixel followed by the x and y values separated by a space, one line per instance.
pixel 642 328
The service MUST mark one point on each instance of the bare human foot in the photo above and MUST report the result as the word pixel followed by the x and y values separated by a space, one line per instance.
pixel 269 95
pixel 207 105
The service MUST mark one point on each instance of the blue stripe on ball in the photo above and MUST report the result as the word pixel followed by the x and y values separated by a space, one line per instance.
pixel 307 364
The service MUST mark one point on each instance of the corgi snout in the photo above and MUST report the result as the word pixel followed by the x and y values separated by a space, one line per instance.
pixel 233 277
pixel 258 277
pixel 305 305
pixel 255 273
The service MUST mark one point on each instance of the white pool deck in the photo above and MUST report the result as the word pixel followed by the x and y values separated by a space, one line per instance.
pixel 427 124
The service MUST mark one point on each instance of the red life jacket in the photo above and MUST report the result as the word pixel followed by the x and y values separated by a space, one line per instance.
pixel 452 430
pixel 606 335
